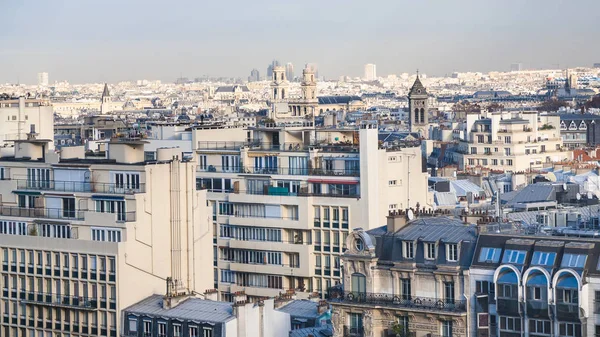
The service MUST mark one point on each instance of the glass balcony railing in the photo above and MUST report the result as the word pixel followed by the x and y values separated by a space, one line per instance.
pixel 282 171
pixel 58 300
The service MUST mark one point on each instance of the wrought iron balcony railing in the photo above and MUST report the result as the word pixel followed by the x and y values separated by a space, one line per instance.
pixel 78 186
pixel 398 301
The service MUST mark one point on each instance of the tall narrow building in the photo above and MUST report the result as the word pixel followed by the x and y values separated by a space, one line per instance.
pixel 289 71
pixel 104 106
pixel 418 106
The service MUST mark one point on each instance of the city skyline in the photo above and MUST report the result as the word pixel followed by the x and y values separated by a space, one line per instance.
pixel 112 45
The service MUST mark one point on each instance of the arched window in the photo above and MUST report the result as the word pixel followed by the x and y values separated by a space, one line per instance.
pixel 282 76
pixel 422 115
pixel 417 115
pixel 282 93
pixel 275 93
pixel 359 283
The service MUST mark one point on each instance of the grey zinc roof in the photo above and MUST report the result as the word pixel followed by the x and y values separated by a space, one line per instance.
pixel 194 309
pixel 337 99
pixel 325 331
pixel 534 193
pixel 462 187
pixel 431 229
pixel 301 308
pixel 530 217
pixel 445 198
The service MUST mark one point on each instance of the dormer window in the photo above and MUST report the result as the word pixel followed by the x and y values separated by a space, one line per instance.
pixel 452 252
pixel 563 126
pixel 430 251
pixel 572 126
pixel 514 256
pixel 408 249
pixel 582 126
pixel 490 255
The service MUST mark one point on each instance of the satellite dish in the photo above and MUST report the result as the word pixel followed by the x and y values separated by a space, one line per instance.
pixel 565 186
pixel 551 176
pixel 590 195
pixel 578 196
pixel 410 214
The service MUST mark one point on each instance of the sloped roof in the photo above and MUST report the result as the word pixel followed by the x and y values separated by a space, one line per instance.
pixel 191 309
pixel 337 99
pixel 534 193
pixel 231 88
pixel 325 331
pixel 417 88
pixel 445 198
pixel 462 187
pixel 301 308
pixel 105 93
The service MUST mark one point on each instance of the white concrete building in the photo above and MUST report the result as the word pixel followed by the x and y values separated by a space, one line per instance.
pixel 285 197
pixel 535 286
pixel 370 72
pixel 82 237
pixel 18 116
pixel 510 141
pixel 42 79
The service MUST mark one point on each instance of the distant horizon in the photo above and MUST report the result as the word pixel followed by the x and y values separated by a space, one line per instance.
pixel 126 41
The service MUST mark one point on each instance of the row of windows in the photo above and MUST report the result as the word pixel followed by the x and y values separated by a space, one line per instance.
pixel 492 255
pixel 103 319
pixel 49 259
pixel 162 331
pixel 106 234
pixel 326 238
pixel 251 280
pixel 247 233
pixel 251 256
pixel 331 213
pixel 471 162
pixel 58 287
pixel 431 253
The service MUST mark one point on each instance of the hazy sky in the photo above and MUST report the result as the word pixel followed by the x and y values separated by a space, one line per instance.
pixel 114 40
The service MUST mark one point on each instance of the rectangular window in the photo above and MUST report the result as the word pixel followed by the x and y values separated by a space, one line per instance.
pixel 126 182
pixel 510 324
pixel 485 287
pixel 202 160
pixel 543 258
pixel 509 162
pixel 430 251
pixel 446 328
pixel 193 331
pixel 207 332
pixel 392 182
pixel 451 252
pixel 147 328
pixel 514 256
pixel 176 330
pixel 405 289
pixel 409 249
pixel 539 327
pixel 569 329
pixel 573 260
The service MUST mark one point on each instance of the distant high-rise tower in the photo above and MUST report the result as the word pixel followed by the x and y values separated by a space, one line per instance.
pixel 418 106
pixel 279 84
pixel 516 67
pixel 43 79
pixel 370 72
pixel 289 71
pixel 105 100
pixel 270 68
pixel 254 76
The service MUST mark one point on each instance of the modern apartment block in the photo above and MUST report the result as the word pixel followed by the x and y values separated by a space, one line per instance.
pixel 407 279
pixel 286 196
pixel 83 236
pixel 510 141
pixel 19 115
pixel 535 286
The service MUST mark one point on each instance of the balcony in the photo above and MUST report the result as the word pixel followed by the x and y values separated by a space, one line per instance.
pixel 537 309
pixel 77 186
pixel 61 301
pixel 46 213
pixel 350 331
pixel 397 301
pixel 568 312
pixel 508 306
pixel 283 171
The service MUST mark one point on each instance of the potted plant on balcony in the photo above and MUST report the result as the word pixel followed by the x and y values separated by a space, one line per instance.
pixel 400 330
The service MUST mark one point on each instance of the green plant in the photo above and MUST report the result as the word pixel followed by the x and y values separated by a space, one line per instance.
pixel 33 231
pixel 400 330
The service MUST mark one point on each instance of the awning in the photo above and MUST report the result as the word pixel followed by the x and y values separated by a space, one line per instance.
pixel 108 197
pixel 27 192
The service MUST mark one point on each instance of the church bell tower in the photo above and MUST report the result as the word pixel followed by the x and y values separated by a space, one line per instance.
pixel 418 106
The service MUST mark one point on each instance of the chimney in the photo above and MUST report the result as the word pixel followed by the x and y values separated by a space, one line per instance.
pixel 240 297
pixel 322 307
pixel 211 294
pixel 396 220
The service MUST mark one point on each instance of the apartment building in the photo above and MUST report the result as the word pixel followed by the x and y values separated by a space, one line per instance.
pixel 510 141
pixel 84 236
pixel 19 115
pixel 286 196
pixel 535 286
pixel 409 278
